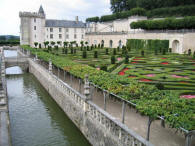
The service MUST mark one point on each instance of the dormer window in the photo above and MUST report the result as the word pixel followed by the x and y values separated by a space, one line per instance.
pixel 34 20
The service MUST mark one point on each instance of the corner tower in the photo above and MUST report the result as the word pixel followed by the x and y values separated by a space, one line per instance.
pixel 32 28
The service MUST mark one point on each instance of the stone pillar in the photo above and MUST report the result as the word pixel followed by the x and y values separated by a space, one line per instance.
pixel 50 66
pixel 86 92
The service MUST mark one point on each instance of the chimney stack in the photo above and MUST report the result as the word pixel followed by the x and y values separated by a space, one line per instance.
pixel 77 19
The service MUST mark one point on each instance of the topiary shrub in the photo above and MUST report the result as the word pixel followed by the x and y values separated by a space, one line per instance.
pixel 95 54
pixel 84 55
pixel 106 51
pixel 194 54
pixel 66 51
pixel 88 48
pixel 103 67
pixel 99 46
pixel 170 50
pixel 95 46
pixel 39 46
pixel 113 60
pixel 126 59
pixel 71 51
pixel 75 51
pixel 114 51
pixel 142 52
pixel 118 48
pixel 189 52
pixel 160 86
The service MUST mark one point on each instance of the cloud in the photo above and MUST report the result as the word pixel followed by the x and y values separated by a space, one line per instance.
pixel 54 9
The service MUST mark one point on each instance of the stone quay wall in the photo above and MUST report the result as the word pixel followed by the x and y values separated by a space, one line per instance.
pixel 100 128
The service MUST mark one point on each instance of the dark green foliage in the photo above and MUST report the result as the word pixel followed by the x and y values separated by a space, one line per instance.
pixel 149 44
pixel 103 67
pixel 114 51
pixel 113 59
pixel 95 54
pixel 95 46
pixel 160 86
pixel 99 46
pixel 88 48
pixel 92 19
pixel 188 10
pixel 170 50
pixel 118 48
pixel 75 51
pixel 124 50
pixel 189 52
pixel 142 52
pixel 168 23
pixel 66 51
pixel 36 43
pixel 102 46
pixel 124 14
pixel 106 51
pixel 164 51
pixel 39 46
pixel 123 5
pixel 156 52
pixel 126 59
pixel 194 54
pixel 71 51
pixel 84 55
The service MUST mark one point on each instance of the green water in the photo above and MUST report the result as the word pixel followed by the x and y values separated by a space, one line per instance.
pixel 36 120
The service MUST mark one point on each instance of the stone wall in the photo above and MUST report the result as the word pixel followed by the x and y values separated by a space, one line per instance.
pixel 100 128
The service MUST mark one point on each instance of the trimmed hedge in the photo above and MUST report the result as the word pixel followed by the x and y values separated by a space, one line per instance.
pixel 148 44
pixel 167 23
pixel 121 15
pixel 9 42
pixel 92 19
pixel 188 10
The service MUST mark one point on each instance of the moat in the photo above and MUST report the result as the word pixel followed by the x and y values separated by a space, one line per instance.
pixel 35 118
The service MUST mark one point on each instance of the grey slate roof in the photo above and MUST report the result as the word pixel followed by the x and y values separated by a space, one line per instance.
pixel 41 11
pixel 64 23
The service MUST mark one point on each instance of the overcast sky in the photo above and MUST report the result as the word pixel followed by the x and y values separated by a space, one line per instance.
pixel 54 9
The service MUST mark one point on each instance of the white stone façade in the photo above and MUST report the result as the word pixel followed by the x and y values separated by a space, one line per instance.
pixel 36 28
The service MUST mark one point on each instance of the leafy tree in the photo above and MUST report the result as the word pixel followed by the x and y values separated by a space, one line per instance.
pixel 59 43
pixel 53 43
pixel 84 55
pixel 95 54
pixel 65 44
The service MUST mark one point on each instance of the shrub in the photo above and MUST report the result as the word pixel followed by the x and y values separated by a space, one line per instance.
pixel 118 48
pixel 88 48
pixel 156 52
pixel 103 67
pixel 39 46
pixel 170 50
pixel 113 60
pixel 71 51
pixel 84 55
pixel 126 59
pixel 102 46
pixel 194 54
pixel 95 54
pixel 36 43
pixel 138 11
pixel 92 19
pixel 106 51
pixel 160 86
pixel 164 51
pixel 168 23
pixel 75 51
pixel 142 52
pixel 189 52
pixel 114 51
pixel 99 46
pixel 95 46
pixel 66 51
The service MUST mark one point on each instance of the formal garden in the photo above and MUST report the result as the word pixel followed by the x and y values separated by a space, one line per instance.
pixel 145 72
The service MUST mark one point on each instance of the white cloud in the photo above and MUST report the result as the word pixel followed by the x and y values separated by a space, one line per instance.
pixel 54 9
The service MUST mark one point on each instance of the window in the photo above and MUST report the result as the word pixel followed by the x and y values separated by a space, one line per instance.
pixel 60 36
pixel 47 36
pixel 82 36
pixel 75 36
pixel 35 27
pixel 75 30
pixel 35 36
pixel 47 29
pixel 67 30
pixel 51 36
pixel 34 20
pixel 51 29
pixel 60 29
pixel 67 36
